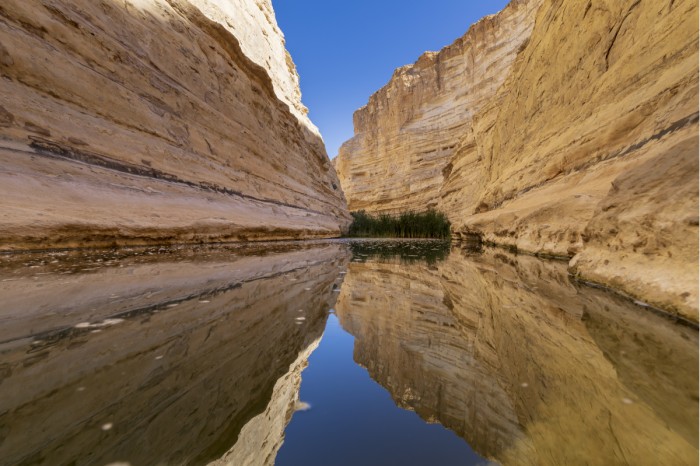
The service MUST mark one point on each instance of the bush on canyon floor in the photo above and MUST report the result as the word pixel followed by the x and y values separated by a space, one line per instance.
pixel 429 224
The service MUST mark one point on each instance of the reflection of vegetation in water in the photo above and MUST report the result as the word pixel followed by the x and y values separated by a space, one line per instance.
pixel 429 224
pixel 407 251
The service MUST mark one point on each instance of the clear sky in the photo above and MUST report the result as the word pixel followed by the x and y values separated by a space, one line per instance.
pixel 345 50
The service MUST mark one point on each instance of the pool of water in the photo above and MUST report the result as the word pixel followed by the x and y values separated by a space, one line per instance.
pixel 333 353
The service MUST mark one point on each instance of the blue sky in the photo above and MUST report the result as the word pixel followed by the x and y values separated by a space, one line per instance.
pixel 346 50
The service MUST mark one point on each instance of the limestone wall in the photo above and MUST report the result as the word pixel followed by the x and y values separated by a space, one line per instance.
pixel 587 150
pixel 152 121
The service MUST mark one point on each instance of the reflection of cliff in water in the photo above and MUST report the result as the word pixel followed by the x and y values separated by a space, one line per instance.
pixel 153 361
pixel 526 366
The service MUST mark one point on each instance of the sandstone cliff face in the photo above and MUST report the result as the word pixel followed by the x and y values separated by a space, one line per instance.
pixel 132 122
pixel 589 149
pixel 525 365
pixel 407 133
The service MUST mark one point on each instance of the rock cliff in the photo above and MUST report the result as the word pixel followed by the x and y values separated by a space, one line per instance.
pixel 154 121
pixel 407 133
pixel 587 150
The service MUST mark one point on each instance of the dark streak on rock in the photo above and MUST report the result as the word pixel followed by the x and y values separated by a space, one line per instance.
pixel 53 149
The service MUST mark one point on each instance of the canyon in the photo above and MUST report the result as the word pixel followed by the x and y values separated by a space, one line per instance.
pixel 565 129
pixel 152 122
pixel 174 289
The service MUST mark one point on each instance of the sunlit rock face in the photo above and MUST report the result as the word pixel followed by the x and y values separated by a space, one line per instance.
pixel 155 121
pixel 407 133
pixel 528 367
pixel 144 359
pixel 588 146
pixel 591 147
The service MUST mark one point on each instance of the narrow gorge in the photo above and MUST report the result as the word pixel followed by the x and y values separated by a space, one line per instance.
pixel 499 267
pixel 155 122
pixel 566 129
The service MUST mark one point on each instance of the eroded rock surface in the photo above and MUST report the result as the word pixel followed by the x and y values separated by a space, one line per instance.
pixel 153 121
pixel 407 133
pixel 588 148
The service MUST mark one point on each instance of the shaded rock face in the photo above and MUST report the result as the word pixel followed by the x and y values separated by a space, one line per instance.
pixel 407 133
pixel 135 122
pixel 585 149
pixel 212 376
pixel 525 365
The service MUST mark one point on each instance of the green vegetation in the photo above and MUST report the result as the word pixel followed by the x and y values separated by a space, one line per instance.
pixel 429 224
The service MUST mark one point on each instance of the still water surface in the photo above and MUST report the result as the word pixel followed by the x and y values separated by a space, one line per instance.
pixel 333 353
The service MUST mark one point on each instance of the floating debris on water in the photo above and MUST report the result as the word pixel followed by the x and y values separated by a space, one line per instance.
pixel 111 322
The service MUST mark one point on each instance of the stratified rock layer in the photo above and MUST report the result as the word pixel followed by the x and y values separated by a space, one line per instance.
pixel 151 121
pixel 407 133
pixel 588 149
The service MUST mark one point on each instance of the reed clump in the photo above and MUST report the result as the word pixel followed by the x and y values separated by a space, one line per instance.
pixel 428 224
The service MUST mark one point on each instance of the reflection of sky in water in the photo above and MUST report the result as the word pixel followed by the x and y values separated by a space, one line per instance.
pixel 354 421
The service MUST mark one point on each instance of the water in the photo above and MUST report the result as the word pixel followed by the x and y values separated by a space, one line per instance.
pixel 354 420
pixel 389 352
